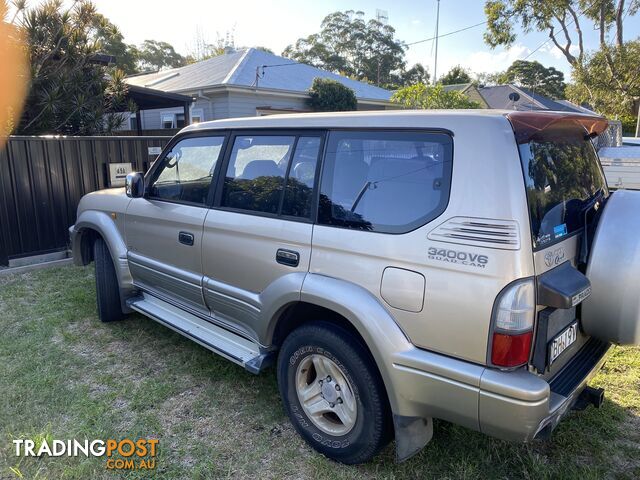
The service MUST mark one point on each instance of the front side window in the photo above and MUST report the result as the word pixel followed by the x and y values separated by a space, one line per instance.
pixel 272 174
pixel 390 182
pixel 562 175
pixel 187 170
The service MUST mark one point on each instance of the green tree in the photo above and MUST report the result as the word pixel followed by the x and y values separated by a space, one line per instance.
pixel 536 77
pixel 594 85
pixel 156 55
pixel 110 41
pixel 70 92
pixel 560 19
pixel 563 21
pixel 421 96
pixel 350 45
pixel 264 49
pixel 455 76
pixel 416 74
pixel 331 96
pixel 487 79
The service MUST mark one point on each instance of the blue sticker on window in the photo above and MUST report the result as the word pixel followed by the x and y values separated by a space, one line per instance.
pixel 560 230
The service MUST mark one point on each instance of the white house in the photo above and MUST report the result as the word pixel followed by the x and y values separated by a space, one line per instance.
pixel 243 83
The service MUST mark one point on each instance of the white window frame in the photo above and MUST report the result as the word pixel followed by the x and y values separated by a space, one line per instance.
pixel 196 112
pixel 167 117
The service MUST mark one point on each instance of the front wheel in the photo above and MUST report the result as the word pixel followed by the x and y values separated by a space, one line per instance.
pixel 107 289
pixel 333 393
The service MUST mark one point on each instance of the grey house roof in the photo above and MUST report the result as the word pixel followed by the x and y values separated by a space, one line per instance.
pixel 498 97
pixel 458 87
pixel 239 69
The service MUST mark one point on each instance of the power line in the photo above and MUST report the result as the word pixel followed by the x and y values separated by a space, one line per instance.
pixel 280 65
pixel 447 34
pixel 260 75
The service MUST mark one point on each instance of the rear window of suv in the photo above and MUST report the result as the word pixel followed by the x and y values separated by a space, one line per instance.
pixel 562 175
pixel 385 181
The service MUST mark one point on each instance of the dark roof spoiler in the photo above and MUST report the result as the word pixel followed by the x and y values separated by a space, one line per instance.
pixel 526 124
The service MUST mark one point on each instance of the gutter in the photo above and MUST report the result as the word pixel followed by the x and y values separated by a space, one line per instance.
pixel 274 92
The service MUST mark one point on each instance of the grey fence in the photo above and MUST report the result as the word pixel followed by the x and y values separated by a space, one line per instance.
pixel 43 178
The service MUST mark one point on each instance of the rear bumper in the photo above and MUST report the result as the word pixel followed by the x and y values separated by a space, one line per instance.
pixel 512 405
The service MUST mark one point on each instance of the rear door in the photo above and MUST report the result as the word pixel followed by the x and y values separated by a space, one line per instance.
pixel 260 228
pixel 164 228
pixel 565 189
pixel 380 195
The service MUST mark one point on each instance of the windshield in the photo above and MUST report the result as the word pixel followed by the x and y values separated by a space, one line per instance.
pixel 562 174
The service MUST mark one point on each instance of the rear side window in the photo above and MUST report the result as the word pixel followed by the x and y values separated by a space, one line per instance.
pixel 298 195
pixel 272 174
pixel 390 182
pixel 562 176
pixel 256 173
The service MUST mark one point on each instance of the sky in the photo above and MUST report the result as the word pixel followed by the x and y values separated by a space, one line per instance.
pixel 278 23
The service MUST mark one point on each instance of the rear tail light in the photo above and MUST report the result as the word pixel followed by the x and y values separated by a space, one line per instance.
pixel 513 318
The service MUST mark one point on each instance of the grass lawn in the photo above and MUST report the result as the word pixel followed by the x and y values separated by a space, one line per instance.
pixel 65 375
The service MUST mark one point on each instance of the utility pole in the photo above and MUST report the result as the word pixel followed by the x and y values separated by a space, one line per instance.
pixel 435 65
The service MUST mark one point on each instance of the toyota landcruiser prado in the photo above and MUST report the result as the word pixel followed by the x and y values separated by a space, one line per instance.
pixel 395 267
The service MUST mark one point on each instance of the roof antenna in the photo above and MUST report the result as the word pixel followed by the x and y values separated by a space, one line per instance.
pixel 258 75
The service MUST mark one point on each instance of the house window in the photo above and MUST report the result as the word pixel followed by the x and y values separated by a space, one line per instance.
pixel 196 115
pixel 167 120
pixel 133 122
pixel 180 120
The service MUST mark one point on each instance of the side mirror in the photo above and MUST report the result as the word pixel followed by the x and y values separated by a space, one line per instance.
pixel 134 185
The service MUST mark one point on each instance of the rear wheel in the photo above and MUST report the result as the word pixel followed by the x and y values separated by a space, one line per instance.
pixel 107 289
pixel 333 393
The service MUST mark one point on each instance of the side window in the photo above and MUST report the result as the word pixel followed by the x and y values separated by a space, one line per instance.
pixel 390 182
pixel 298 195
pixel 266 175
pixel 187 170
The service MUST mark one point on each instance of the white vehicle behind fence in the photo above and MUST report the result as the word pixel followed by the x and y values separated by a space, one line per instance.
pixel 621 166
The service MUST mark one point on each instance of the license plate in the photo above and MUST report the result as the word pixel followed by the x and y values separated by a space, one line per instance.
pixel 563 341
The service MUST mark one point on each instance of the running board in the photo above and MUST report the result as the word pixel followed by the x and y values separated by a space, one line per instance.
pixel 223 342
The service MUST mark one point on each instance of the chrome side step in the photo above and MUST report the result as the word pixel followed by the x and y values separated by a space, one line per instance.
pixel 226 344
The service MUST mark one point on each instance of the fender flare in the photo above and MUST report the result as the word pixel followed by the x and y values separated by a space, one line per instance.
pixel 364 311
pixel 102 223
pixel 384 339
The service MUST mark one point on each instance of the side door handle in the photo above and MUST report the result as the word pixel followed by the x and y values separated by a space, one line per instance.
pixel 288 257
pixel 186 238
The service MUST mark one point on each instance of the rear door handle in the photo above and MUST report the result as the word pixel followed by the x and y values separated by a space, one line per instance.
pixel 288 257
pixel 186 238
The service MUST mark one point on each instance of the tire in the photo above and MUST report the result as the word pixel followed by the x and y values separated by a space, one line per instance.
pixel 107 289
pixel 302 365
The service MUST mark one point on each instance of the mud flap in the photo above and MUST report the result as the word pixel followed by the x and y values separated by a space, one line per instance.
pixel 412 434
pixel 612 312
